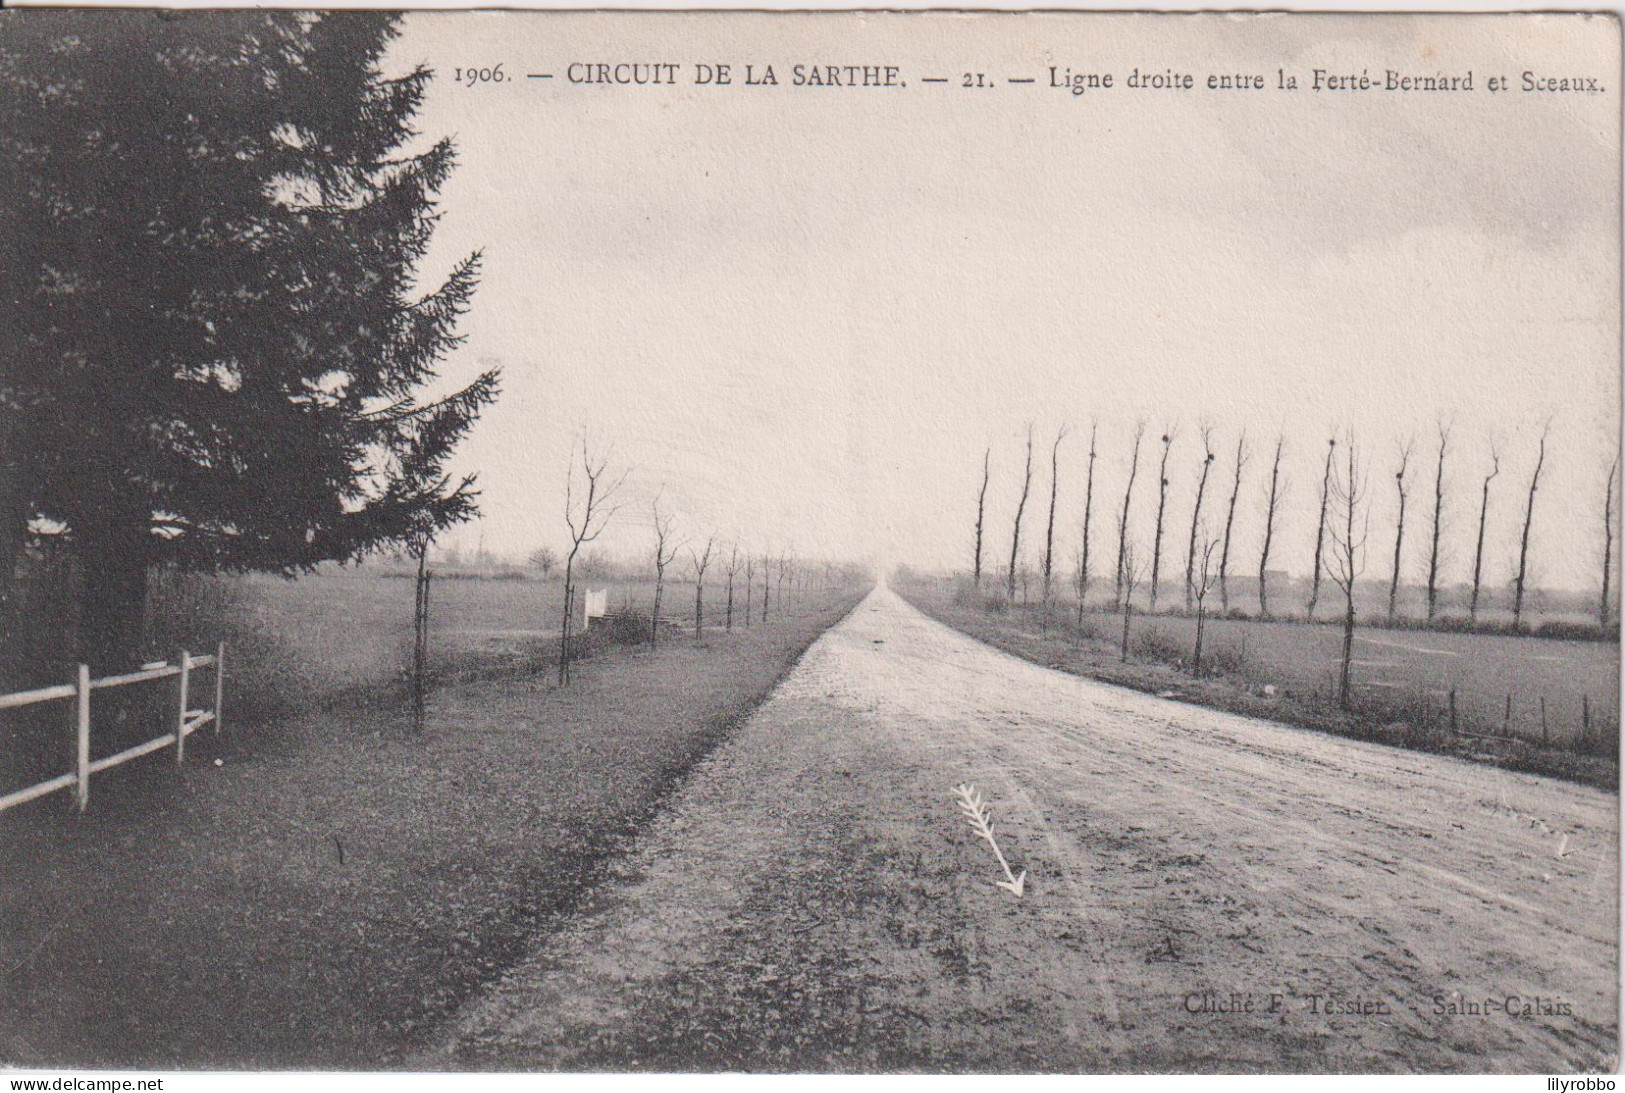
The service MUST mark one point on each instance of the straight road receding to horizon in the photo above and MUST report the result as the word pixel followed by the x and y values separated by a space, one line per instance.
pixel 1203 891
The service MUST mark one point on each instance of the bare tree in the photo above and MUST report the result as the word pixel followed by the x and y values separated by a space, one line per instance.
pixel 1269 530
pixel 782 566
pixel 1438 521
pixel 1088 512
pixel 1483 515
pixel 1242 455
pixel 1528 521
pixel 701 560
pixel 1196 513
pixel 1021 506
pixel 733 571
pixel 1203 577
pixel 1348 531
pixel 1399 525
pixel 981 510
pixel 1603 606
pixel 750 576
pixel 1122 519
pixel 767 575
pixel 545 559
pixel 1049 530
pixel 666 547
pixel 1320 526
pixel 586 515
pixel 1168 439
pixel 1133 574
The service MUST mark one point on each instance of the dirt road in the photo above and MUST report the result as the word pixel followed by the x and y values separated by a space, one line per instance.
pixel 1203 891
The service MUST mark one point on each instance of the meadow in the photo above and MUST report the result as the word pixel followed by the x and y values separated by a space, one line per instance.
pixel 1407 670
pixel 343 634
pixel 337 639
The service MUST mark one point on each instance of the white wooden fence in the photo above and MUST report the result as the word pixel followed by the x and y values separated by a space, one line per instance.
pixel 187 720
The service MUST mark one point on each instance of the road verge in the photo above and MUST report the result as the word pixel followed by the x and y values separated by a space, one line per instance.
pixel 321 896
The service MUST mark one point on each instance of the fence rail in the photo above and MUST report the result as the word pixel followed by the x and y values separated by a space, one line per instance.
pixel 187 720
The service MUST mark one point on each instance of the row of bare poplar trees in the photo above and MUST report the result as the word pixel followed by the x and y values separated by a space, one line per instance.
pixel 592 501
pixel 1203 569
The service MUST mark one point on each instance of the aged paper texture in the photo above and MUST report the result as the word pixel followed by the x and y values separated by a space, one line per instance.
pixel 810 542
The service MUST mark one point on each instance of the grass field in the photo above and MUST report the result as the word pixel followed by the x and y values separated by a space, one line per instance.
pixel 339 632
pixel 1405 669
pixel 319 889
pixel 339 638
pixel 1402 678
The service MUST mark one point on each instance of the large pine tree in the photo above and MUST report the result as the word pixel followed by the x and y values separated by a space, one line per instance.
pixel 213 349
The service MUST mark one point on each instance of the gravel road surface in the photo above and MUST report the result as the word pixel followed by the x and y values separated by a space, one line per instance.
pixel 1203 892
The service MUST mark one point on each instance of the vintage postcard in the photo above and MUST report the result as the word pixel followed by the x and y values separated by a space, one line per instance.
pixel 837 542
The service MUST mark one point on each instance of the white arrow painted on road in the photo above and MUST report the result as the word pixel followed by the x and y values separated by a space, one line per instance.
pixel 970 802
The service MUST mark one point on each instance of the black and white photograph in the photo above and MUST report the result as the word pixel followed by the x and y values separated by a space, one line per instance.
pixel 839 542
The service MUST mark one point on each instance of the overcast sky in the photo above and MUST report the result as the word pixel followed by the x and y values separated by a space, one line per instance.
pixel 805 312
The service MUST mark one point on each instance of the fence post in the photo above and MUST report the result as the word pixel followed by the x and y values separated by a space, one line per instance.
pixel 1506 719
pixel 1453 727
pixel 180 723
pixel 1545 734
pixel 81 764
pixel 219 683
pixel 1585 720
